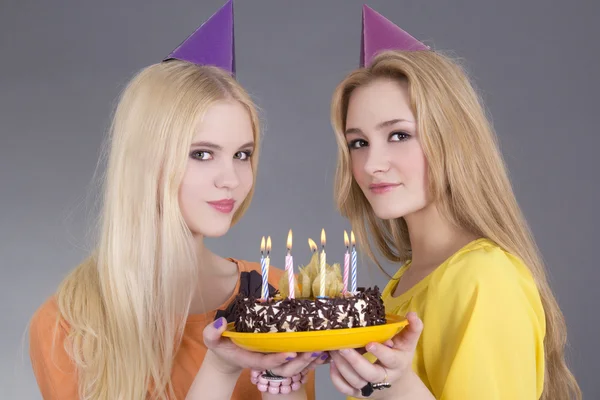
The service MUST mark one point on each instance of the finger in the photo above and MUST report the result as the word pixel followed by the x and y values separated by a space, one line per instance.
pixel 265 361
pixel 323 359
pixel 348 369
pixel 296 365
pixel 236 355
pixel 212 333
pixel 390 358
pixel 338 380
pixel 363 368
pixel 408 337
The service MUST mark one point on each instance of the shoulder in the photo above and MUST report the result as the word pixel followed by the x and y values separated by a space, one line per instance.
pixel 486 283
pixel 47 334
pixel 47 320
pixel 484 274
pixel 483 263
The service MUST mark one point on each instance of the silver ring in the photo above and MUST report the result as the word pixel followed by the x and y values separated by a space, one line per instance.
pixel 382 385
pixel 272 377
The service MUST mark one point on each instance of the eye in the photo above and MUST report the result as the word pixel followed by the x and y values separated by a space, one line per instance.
pixel 201 155
pixel 399 136
pixel 243 155
pixel 357 144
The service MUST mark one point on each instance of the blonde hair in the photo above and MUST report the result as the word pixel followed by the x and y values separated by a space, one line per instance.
pixel 126 305
pixel 467 179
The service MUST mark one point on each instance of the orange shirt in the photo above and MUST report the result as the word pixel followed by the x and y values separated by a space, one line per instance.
pixel 56 375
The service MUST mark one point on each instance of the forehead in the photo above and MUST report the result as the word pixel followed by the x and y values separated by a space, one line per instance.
pixel 225 122
pixel 381 100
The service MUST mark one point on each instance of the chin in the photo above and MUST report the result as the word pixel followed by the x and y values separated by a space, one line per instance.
pixel 389 213
pixel 215 231
pixel 212 228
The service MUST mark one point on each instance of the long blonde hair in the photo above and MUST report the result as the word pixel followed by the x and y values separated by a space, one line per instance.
pixel 127 303
pixel 467 179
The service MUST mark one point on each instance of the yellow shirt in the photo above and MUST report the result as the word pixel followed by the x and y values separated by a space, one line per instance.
pixel 483 326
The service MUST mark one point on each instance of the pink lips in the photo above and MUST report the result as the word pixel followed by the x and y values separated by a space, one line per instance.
pixel 384 187
pixel 225 206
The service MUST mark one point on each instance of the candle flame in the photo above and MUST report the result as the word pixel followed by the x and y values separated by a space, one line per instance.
pixel 346 239
pixel 269 244
pixel 262 245
pixel 352 239
pixel 289 240
pixel 312 244
pixel 323 237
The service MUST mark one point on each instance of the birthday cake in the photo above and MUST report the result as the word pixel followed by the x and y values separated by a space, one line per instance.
pixel 360 309
pixel 313 309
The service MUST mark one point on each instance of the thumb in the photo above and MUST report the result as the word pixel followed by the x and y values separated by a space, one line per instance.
pixel 408 338
pixel 212 332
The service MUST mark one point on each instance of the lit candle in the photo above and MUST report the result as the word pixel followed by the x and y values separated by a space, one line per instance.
pixel 323 263
pixel 313 246
pixel 346 262
pixel 264 270
pixel 289 266
pixel 353 287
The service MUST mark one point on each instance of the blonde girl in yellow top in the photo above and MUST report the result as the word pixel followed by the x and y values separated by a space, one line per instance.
pixel 420 176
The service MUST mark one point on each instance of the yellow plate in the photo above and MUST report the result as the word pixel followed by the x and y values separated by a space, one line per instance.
pixel 334 339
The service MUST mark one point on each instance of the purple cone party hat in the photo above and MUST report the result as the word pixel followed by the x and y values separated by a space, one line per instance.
pixel 379 34
pixel 212 43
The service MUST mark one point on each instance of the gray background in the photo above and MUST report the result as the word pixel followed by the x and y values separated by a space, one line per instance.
pixel 64 63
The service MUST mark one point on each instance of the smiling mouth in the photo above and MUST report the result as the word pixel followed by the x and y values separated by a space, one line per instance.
pixel 380 188
pixel 224 206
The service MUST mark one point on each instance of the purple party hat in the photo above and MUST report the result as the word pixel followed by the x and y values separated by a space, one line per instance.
pixel 212 43
pixel 379 34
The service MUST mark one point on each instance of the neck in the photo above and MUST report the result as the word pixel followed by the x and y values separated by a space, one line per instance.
pixel 217 280
pixel 433 238
pixel 204 257
pixel 209 263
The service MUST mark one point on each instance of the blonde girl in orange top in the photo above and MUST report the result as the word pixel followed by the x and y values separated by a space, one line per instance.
pixel 141 318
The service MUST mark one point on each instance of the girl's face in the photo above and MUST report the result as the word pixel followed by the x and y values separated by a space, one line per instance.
pixel 218 175
pixel 387 159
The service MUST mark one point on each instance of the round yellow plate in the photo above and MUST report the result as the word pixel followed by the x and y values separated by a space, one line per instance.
pixel 334 339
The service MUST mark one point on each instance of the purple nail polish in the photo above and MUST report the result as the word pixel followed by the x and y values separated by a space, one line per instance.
pixel 218 323
pixel 316 354
pixel 289 358
pixel 324 356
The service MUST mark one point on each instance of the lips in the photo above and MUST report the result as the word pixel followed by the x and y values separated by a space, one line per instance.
pixel 382 187
pixel 225 206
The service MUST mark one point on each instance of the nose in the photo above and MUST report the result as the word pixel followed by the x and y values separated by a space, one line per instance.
pixel 228 177
pixel 378 159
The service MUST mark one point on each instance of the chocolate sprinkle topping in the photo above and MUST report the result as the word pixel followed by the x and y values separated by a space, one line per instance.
pixel 365 308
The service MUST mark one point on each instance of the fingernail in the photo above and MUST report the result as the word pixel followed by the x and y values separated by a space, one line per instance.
pixel 370 347
pixel 345 351
pixel 324 356
pixel 316 354
pixel 218 323
pixel 289 358
pixel 391 346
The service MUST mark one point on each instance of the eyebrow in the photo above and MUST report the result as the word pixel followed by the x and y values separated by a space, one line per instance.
pixel 379 126
pixel 214 146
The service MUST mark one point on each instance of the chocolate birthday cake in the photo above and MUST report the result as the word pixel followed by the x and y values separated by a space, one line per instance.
pixel 364 308
pixel 309 311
